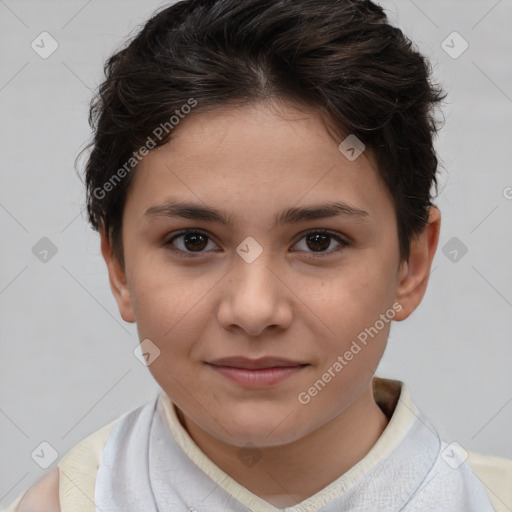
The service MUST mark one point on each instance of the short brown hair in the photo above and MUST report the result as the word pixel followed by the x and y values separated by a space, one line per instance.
pixel 341 58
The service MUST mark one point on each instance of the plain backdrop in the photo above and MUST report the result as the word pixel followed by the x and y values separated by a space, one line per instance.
pixel 67 366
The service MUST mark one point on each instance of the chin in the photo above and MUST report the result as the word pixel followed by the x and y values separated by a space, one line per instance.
pixel 263 428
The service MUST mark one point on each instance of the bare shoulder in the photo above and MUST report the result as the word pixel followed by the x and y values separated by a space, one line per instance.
pixel 43 496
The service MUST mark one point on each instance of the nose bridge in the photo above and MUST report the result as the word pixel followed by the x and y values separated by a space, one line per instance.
pixel 252 272
pixel 255 297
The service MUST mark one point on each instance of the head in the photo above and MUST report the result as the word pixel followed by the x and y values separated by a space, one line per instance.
pixel 235 116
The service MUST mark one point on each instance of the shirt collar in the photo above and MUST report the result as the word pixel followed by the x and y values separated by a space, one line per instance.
pixel 392 396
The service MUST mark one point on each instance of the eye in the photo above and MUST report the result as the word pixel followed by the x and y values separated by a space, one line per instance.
pixel 319 240
pixel 192 242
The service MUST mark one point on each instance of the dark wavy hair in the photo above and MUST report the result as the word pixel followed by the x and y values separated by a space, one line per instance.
pixel 340 58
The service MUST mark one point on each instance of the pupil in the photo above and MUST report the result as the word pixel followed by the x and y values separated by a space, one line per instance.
pixel 195 239
pixel 198 241
pixel 316 238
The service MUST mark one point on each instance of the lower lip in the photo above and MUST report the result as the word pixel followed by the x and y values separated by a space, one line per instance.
pixel 257 378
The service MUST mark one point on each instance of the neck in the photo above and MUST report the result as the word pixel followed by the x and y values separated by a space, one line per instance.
pixel 288 474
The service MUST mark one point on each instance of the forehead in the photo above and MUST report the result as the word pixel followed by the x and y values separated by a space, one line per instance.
pixel 256 157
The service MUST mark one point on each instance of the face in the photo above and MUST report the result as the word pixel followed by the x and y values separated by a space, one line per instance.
pixel 256 276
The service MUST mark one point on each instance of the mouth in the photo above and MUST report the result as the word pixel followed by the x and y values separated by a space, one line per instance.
pixel 256 373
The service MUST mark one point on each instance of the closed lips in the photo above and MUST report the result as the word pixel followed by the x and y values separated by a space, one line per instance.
pixel 255 364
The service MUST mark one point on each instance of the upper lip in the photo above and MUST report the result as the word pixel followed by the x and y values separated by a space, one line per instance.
pixel 253 364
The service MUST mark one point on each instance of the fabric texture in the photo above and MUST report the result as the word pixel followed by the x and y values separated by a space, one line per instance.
pixel 146 460
pixel 149 464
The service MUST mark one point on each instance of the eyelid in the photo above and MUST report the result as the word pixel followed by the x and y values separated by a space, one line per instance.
pixel 168 240
pixel 342 241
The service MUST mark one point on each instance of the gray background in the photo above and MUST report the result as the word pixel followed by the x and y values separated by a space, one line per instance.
pixel 67 366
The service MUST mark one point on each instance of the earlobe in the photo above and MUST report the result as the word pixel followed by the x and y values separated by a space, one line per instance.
pixel 414 274
pixel 117 278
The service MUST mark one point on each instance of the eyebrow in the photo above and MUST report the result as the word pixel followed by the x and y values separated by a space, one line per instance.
pixel 193 211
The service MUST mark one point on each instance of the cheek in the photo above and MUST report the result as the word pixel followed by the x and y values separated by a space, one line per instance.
pixel 165 298
pixel 351 301
pixel 358 310
pixel 348 365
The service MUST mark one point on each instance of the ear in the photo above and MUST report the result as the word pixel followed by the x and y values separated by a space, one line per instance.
pixel 117 278
pixel 414 274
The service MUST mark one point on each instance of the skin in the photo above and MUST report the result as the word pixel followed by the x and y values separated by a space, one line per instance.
pixel 43 496
pixel 253 162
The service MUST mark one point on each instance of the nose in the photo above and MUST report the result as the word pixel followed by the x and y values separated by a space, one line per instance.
pixel 255 297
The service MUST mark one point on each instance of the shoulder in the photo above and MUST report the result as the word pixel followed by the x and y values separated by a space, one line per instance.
pixel 496 475
pixel 70 485
pixel 43 496
pixel 78 469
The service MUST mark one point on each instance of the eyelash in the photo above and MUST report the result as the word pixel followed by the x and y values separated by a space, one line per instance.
pixel 343 243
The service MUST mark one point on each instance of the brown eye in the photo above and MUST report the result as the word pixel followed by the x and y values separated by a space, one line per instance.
pixel 319 241
pixel 195 241
pixel 190 241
